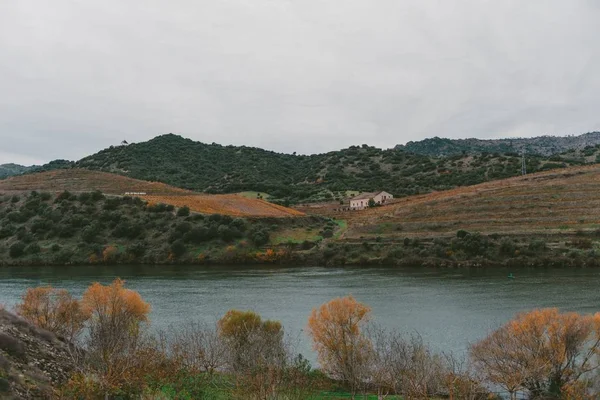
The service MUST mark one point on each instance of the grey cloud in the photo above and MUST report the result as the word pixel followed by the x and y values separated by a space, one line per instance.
pixel 291 75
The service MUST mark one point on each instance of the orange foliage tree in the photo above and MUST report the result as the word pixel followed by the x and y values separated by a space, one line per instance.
pixel 543 352
pixel 114 340
pixel 257 353
pixel 343 350
pixel 54 310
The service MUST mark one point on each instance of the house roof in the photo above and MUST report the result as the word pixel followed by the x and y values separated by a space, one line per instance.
pixel 365 196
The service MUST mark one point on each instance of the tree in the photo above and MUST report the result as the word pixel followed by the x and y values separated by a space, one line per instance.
pixel 257 352
pixel 183 211
pixel 115 326
pixel 199 347
pixel 372 203
pixel 542 352
pixel 343 350
pixel 54 310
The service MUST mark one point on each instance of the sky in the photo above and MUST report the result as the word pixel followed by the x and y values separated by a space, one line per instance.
pixel 304 76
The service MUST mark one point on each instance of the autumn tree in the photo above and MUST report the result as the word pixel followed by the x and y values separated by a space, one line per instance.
pixel 543 352
pixel 257 352
pixel 115 339
pixel 343 350
pixel 54 310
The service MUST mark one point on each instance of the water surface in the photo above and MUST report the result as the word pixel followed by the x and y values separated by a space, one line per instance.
pixel 449 308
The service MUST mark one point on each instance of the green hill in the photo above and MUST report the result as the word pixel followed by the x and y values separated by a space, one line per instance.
pixel 7 170
pixel 290 178
pixel 214 168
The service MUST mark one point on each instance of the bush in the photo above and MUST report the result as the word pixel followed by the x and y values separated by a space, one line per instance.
pixel 178 248
pixel 17 249
pixel 507 247
pixel 33 248
pixel 259 237
pixel 55 247
pixel 537 245
pixel 461 234
pixel 183 211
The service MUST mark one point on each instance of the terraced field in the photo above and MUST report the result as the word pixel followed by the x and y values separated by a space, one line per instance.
pixel 228 204
pixel 560 201
pixel 83 180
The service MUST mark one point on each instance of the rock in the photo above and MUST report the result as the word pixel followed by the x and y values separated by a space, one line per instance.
pixel 33 362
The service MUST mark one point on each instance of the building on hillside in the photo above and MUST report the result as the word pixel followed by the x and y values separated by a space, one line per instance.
pixel 362 200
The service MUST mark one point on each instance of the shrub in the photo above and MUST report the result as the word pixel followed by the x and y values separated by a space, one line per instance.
pixel 178 248
pixel 507 247
pixel 183 211
pixel 461 234
pixel 33 248
pixel 17 249
pixel 54 310
pixel 55 247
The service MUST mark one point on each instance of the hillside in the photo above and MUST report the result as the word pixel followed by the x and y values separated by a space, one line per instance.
pixel 542 145
pixel 46 228
pixel 559 202
pixel 80 180
pixel 289 178
pixel 7 170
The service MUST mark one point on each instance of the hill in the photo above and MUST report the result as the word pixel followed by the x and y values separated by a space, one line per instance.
pixel 290 178
pixel 559 202
pixel 7 170
pixel 81 180
pixel 542 145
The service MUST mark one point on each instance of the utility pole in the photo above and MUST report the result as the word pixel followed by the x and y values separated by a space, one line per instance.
pixel 523 165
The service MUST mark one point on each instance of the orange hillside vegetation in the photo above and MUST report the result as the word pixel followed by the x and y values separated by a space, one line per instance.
pixel 559 201
pixel 83 180
pixel 228 204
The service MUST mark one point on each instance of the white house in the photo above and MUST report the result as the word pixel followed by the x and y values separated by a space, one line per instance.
pixel 362 200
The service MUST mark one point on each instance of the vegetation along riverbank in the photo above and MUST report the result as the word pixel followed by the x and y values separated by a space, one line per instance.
pixel 101 346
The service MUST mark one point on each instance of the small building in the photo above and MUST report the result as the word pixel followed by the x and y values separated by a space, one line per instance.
pixel 362 200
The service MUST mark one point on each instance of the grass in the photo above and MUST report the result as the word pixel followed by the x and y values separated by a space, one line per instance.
pixel 296 236
pixel 254 195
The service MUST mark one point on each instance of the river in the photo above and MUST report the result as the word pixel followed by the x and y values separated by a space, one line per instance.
pixel 448 308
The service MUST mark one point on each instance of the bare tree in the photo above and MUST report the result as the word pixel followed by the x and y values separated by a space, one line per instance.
pixel 198 347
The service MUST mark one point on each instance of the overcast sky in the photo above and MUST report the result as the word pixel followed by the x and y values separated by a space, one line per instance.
pixel 292 75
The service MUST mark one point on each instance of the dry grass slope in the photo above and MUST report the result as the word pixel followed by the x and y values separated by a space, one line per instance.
pixel 228 204
pixel 83 180
pixel 560 201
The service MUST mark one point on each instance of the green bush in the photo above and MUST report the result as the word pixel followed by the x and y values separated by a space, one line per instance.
pixel 178 248
pixel 183 211
pixel 17 249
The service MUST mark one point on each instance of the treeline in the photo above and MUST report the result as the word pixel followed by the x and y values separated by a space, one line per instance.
pixel 43 228
pixel 291 178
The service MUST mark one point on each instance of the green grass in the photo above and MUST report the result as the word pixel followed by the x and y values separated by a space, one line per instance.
pixel 296 236
pixel 253 195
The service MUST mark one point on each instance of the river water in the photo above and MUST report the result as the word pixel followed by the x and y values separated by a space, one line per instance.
pixel 448 308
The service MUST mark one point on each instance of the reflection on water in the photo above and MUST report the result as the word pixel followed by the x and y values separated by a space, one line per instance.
pixel 449 308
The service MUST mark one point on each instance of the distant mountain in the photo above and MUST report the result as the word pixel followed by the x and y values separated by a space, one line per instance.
pixel 542 145
pixel 7 170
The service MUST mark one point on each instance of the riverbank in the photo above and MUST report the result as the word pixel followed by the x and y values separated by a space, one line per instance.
pixel 92 229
